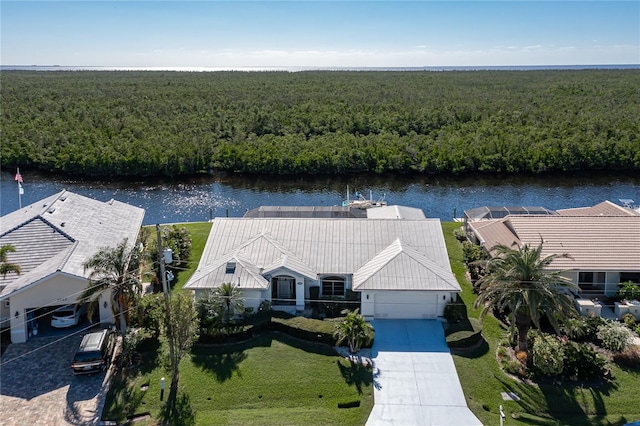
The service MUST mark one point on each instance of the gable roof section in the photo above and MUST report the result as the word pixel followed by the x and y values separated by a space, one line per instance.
pixel 605 208
pixel 246 274
pixel 400 267
pixel 597 243
pixel 317 246
pixel 67 223
pixel 493 232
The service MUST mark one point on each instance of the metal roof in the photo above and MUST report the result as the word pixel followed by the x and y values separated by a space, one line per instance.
pixel 401 267
pixel 395 212
pixel 324 246
pixel 60 232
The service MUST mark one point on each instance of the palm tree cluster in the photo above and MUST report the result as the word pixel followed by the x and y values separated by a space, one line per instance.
pixel 519 282
pixel 354 330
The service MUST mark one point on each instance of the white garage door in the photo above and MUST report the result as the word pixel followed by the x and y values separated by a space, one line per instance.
pixel 405 305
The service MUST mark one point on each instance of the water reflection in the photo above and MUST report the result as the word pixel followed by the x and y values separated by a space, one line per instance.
pixel 197 198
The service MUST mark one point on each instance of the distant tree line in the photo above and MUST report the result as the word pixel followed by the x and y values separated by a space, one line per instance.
pixel 175 123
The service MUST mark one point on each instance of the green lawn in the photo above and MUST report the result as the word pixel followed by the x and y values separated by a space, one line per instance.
pixel 273 379
pixel 483 381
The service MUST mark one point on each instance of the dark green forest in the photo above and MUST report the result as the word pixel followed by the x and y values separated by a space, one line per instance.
pixel 175 123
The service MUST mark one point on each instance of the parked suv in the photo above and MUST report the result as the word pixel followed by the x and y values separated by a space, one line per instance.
pixel 94 353
pixel 68 316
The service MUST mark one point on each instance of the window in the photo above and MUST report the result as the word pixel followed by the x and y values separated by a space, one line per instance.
pixel 333 286
pixel 585 277
pixel 231 267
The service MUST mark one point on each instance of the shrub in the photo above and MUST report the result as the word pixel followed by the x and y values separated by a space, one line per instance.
pixel 548 355
pixel 637 330
pixel 513 366
pixel 455 311
pixel 575 328
pixel 581 362
pixel 614 336
pixel 459 234
pixel 629 320
pixel 472 252
pixel 630 357
pixel 629 290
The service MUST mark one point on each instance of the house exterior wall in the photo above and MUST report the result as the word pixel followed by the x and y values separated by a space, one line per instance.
pixel 252 297
pixel 57 290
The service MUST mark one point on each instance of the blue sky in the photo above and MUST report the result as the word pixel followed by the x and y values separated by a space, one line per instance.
pixel 319 33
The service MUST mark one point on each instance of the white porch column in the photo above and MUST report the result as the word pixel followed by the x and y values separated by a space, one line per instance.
pixel 300 293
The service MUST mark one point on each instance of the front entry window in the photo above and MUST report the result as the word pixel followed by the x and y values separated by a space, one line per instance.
pixel 333 286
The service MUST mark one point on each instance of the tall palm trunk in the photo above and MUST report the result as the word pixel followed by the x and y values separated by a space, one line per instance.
pixel 523 323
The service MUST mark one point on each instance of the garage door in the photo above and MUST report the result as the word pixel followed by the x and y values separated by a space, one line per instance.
pixel 405 305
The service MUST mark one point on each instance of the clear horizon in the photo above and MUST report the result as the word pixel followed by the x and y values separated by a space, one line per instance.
pixel 319 34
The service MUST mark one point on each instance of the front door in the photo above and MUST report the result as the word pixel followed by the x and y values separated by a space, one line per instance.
pixel 285 289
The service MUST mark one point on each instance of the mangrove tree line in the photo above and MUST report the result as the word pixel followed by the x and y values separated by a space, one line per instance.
pixel 173 123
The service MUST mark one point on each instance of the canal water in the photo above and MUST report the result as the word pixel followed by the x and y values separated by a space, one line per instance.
pixel 191 199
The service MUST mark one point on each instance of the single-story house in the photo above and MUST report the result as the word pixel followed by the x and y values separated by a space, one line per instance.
pixel 399 268
pixel 53 238
pixel 603 242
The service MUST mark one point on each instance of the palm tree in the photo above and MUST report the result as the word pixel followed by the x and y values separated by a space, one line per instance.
pixel 231 296
pixel 354 329
pixel 518 280
pixel 6 267
pixel 115 269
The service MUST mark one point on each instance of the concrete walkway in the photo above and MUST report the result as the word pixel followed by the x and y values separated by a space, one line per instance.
pixel 415 379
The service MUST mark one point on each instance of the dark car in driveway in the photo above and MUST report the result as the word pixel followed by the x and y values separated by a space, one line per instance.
pixel 94 353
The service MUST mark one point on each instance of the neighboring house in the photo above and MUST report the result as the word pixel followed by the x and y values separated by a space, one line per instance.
pixel 399 268
pixel 53 238
pixel 603 241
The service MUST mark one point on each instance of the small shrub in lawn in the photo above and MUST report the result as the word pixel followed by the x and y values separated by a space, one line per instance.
pixel 630 357
pixel 548 355
pixel 629 320
pixel 513 366
pixel 522 356
pixel 581 362
pixel 459 234
pixel 614 336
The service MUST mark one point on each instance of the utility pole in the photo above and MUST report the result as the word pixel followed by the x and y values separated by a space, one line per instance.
pixel 167 303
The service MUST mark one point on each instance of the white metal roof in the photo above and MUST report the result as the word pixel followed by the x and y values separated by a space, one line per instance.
pixel 401 267
pixel 60 232
pixel 319 246
pixel 395 212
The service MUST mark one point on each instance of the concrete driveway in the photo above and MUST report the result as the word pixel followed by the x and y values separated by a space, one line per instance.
pixel 415 379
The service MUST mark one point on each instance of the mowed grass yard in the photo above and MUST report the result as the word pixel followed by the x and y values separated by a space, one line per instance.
pixel 598 403
pixel 271 379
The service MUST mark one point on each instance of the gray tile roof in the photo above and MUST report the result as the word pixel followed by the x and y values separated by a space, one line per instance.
pixel 321 246
pixel 60 232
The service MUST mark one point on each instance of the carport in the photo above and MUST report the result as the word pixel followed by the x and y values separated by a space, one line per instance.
pixel 415 379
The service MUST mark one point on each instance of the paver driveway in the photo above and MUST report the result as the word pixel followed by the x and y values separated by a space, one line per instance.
pixel 37 387
pixel 415 379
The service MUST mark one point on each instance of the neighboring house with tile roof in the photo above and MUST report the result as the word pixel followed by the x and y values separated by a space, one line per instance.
pixel 603 242
pixel 400 268
pixel 53 238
